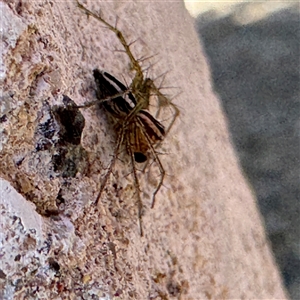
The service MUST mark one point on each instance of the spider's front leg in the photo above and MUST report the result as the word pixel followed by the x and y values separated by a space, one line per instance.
pixel 138 81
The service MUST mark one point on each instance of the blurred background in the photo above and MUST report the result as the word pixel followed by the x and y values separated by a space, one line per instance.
pixel 254 54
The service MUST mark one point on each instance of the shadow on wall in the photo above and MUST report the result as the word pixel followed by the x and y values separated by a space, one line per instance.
pixel 255 69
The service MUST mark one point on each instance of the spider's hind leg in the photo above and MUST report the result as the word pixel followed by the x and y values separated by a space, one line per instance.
pixel 111 164
pixel 162 174
pixel 150 147
pixel 137 187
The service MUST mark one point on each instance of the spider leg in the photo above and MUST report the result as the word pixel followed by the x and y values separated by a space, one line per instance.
pixel 112 163
pixel 109 98
pixel 139 78
pixel 164 101
pixel 156 158
pixel 162 175
pixel 137 188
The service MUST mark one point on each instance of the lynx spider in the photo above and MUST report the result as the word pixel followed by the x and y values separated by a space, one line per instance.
pixel 141 88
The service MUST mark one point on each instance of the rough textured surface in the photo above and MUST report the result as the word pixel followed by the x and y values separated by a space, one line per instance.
pixel 203 239
pixel 255 69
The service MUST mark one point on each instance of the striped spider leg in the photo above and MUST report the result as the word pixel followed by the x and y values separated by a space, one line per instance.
pixel 138 130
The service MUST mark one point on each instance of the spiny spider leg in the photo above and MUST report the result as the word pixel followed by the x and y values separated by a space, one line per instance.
pixel 163 101
pixel 152 147
pixel 139 78
pixel 109 98
pixel 156 158
pixel 137 187
pixel 111 165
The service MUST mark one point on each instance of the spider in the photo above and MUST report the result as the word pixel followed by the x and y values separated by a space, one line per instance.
pixel 138 130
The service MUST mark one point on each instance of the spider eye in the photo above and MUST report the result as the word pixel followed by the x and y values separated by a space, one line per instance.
pixel 139 157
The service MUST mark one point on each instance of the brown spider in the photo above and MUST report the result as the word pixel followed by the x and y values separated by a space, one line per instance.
pixel 138 130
